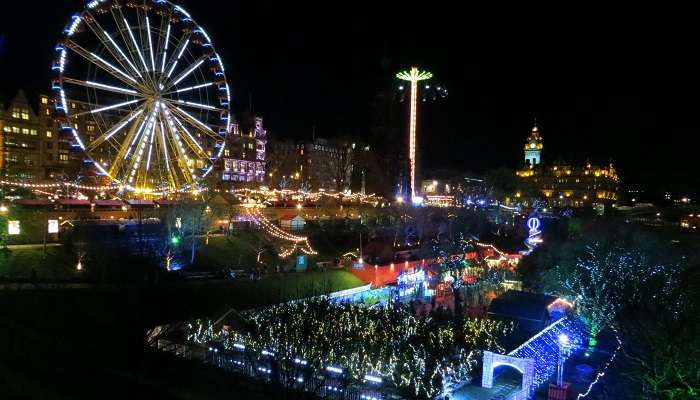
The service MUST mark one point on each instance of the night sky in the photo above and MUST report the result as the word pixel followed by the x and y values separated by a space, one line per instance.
pixel 605 83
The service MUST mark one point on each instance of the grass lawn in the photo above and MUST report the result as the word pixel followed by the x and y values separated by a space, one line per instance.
pixel 240 251
pixel 228 252
pixel 199 298
pixel 56 264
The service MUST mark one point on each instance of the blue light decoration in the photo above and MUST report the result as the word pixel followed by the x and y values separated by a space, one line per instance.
pixel 544 347
pixel 409 282
pixel 301 263
pixel 534 237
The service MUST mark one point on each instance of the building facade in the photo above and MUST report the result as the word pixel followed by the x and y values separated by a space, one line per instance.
pixel 319 164
pixel 243 162
pixel 563 184
pixel 32 148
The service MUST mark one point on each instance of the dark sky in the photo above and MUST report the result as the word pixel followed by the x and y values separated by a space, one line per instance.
pixel 603 82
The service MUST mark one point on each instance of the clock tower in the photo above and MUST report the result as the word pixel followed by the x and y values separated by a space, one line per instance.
pixel 533 147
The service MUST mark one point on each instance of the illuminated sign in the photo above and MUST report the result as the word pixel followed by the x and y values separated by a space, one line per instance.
pixel 534 235
pixel 53 226
pixel 13 227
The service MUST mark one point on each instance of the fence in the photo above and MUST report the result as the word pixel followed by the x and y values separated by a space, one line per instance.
pixel 325 384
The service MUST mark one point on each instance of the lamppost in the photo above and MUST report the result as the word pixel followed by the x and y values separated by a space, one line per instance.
pixel 564 348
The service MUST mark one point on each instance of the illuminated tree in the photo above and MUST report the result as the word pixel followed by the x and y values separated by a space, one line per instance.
pixel 415 355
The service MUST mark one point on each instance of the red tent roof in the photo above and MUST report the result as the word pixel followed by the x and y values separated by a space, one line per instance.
pixel 166 202
pixel 141 202
pixel 33 202
pixel 74 202
pixel 109 203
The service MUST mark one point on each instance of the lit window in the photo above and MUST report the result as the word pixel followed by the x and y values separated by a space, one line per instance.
pixel 75 125
pixel 90 128
pixel 25 131
pixel 25 114
pixel 44 100
pixel 63 157
pixel 33 132
pixel 16 113
pixel 7 129
pixel 48 112
pixel 226 152
pixel 49 134
pixel 72 105
pixel 15 129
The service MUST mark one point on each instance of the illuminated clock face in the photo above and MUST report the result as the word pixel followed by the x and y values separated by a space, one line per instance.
pixel 532 145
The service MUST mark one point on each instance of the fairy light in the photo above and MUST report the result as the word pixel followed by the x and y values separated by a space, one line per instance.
pixel 374 353
pixel 602 372
pixel 298 242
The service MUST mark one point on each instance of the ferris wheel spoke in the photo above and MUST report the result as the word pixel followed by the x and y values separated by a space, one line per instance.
pixel 177 54
pixel 194 121
pixel 107 108
pixel 101 86
pixel 165 49
pixel 118 127
pixel 121 52
pixel 150 152
pixel 127 144
pixel 103 64
pixel 162 143
pixel 137 46
pixel 184 74
pixel 137 155
pixel 197 105
pixel 176 142
pixel 124 32
pixel 150 43
pixel 189 89
pixel 109 43
pixel 189 139
pixel 129 38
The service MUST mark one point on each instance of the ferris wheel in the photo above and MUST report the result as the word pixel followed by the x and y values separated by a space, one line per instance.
pixel 142 90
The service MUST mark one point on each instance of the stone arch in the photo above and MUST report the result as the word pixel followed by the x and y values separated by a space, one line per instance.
pixel 526 366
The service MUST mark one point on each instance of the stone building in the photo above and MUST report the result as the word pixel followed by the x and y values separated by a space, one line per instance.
pixel 563 184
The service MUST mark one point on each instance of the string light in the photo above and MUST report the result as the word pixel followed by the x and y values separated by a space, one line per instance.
pixel 605 368
pixel 298 242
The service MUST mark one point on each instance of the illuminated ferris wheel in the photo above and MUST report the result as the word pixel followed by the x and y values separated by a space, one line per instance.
pixel 142 90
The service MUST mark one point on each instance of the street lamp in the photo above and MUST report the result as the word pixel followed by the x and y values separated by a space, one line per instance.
pixel 564 347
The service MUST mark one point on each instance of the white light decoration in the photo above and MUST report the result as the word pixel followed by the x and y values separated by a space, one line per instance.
pixel 297 242
pixel 154 93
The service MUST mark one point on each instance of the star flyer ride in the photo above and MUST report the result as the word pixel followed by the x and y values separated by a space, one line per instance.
pixel 142 91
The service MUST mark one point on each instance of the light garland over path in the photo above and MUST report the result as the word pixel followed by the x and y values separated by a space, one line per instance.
pixel 296 242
